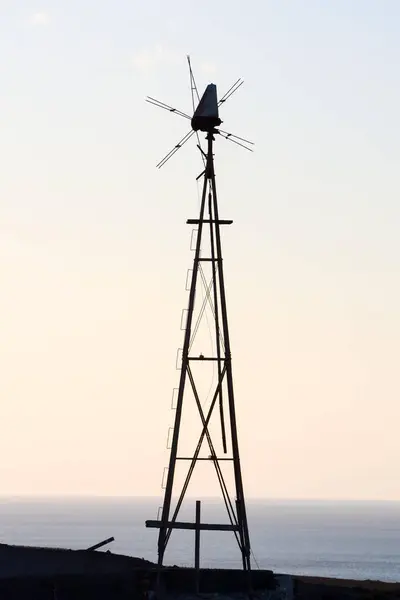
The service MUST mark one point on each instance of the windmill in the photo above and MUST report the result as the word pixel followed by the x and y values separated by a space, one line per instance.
pixel 205 118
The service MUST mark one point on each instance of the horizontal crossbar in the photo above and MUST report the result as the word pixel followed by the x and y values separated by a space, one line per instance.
pixel 201 526
pixel 208 259
pixel 219 221
pixel 206 358
pixel 209 458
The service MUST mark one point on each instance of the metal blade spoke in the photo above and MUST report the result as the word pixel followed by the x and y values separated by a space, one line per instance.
pixel 230 139
pixel 193 85
pixel 232 135
pixel 175 149
pixel 231 91
pixel 166 107
pixel 194 91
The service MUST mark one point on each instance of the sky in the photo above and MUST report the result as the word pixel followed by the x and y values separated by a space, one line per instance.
pixel 94 248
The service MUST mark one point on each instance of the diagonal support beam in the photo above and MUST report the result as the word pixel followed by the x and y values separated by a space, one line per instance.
pixel 224 490
pixel 195 455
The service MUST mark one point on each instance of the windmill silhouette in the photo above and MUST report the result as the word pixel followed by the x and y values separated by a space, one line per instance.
pixel 205 118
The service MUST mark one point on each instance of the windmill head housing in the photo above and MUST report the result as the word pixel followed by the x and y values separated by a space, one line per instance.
pixel 206 115
pixel 204 118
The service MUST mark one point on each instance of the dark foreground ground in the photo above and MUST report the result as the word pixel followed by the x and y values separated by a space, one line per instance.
pixel 321 588
pixel 28 573
pixel 123 587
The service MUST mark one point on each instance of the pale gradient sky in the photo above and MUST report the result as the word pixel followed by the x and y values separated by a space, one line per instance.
pixel 94 246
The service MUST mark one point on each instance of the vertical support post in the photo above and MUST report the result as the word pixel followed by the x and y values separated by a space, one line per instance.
pixel 242 517
pixel 197 545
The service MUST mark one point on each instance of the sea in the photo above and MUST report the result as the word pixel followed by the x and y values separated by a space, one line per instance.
pixel 351 540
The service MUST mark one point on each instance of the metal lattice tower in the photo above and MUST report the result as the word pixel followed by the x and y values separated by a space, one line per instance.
pixel 206 118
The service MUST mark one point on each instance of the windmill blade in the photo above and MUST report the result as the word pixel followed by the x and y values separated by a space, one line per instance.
pixel 166 107
pixel 229 137
pixel 193 89
pixel 193 86
pixel 175 149
pixel 231 91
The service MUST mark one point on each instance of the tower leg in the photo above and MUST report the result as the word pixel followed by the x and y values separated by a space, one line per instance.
pixel 164 534
pixel 241 507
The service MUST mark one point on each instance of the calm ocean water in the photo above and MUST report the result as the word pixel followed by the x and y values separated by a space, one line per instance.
pixel 348 540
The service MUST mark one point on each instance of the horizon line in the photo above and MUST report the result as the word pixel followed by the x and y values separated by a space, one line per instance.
pixel 267 499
